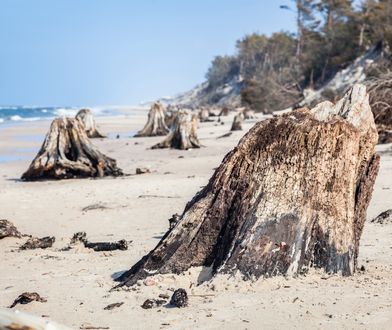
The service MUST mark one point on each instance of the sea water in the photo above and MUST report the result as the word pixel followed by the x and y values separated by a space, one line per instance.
pixel 9 114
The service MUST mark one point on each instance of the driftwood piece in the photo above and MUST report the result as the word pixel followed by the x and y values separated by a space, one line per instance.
pixel 292 195
pixel 113 306
pixel 183 135
pixel 155 125
pixel 67 153
pixel 152 303
pixel 85 116
pixel 26 298
pixel 383 218
pixel 99 246
pixel 38 243
pixel 179 298
pixel 7 229
pixel 237 122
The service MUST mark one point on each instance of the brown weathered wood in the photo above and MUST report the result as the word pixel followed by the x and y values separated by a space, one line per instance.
pixel 81 237
pixel 26 298
pixel 155 125
pixel 85 116
pixel 38 243
pixel 292 195
pixel 237 122
pixel 183 134
pixel 7 229
pixel 67 152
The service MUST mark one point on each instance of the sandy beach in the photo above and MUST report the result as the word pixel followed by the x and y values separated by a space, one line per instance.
pixel 77 283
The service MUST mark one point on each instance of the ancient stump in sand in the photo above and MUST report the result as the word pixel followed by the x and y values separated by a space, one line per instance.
pixel 249 114
pixel 204 115
pixel 155 125
pixel 224 112
pixel 237 122
pixel 86 118
pixel 183 134
pixel 292 195
pixel 67 152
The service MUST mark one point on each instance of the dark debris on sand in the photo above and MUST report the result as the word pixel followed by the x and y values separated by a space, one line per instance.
pixel 27 297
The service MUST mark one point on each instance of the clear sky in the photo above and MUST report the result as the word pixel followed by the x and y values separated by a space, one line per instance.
pixel 120 52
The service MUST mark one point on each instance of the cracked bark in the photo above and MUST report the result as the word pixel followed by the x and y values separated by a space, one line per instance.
pixel 155 125
pixel 67 152
pixel 292 195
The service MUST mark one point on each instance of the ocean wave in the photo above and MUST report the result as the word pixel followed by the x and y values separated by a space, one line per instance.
pixel 16 118
pixel 69 112
pixel 25 113
pixel 19 118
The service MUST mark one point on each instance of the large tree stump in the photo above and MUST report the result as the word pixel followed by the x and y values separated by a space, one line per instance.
pixel 85 116
pixel 67 152
pixel 292 195
pixel 155 125
pixel 183 135
pixel 237 122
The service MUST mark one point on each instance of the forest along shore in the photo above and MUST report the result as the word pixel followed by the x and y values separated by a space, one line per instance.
pixel 136 208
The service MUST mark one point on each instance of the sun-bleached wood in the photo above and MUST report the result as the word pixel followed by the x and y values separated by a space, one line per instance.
pixel 85 116
pixel 67 152
pixel 155 125
pixel 183 134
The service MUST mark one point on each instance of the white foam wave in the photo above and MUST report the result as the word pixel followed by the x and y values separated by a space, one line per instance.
pixel 65 112
pixel 16 118
pixel 19 118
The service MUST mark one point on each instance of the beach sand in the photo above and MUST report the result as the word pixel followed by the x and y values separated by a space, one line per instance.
pixel 76 283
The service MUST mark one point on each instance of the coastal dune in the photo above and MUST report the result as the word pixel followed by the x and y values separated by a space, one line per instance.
pixel 77 283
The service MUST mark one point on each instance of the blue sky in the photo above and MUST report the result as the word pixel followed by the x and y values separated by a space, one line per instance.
pixel 112 52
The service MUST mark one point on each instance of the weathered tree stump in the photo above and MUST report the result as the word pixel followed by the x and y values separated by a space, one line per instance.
pixel 249 114
pixel 224 112
pixel 7 229
pixel 204 115
pixel 155 125
pixel 85 116
pixel 67 152
pixel 237 122
pixel 183 135
pixel 292 195
pixel 170 115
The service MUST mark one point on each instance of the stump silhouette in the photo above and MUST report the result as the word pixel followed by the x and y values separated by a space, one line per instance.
pixel 155 125
pixel 237 122
pixel 85 116
pixel 67 152
pixel 292 195
pixel 183 135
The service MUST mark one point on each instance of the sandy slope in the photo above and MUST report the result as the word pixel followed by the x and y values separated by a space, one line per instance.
pixel 76 283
